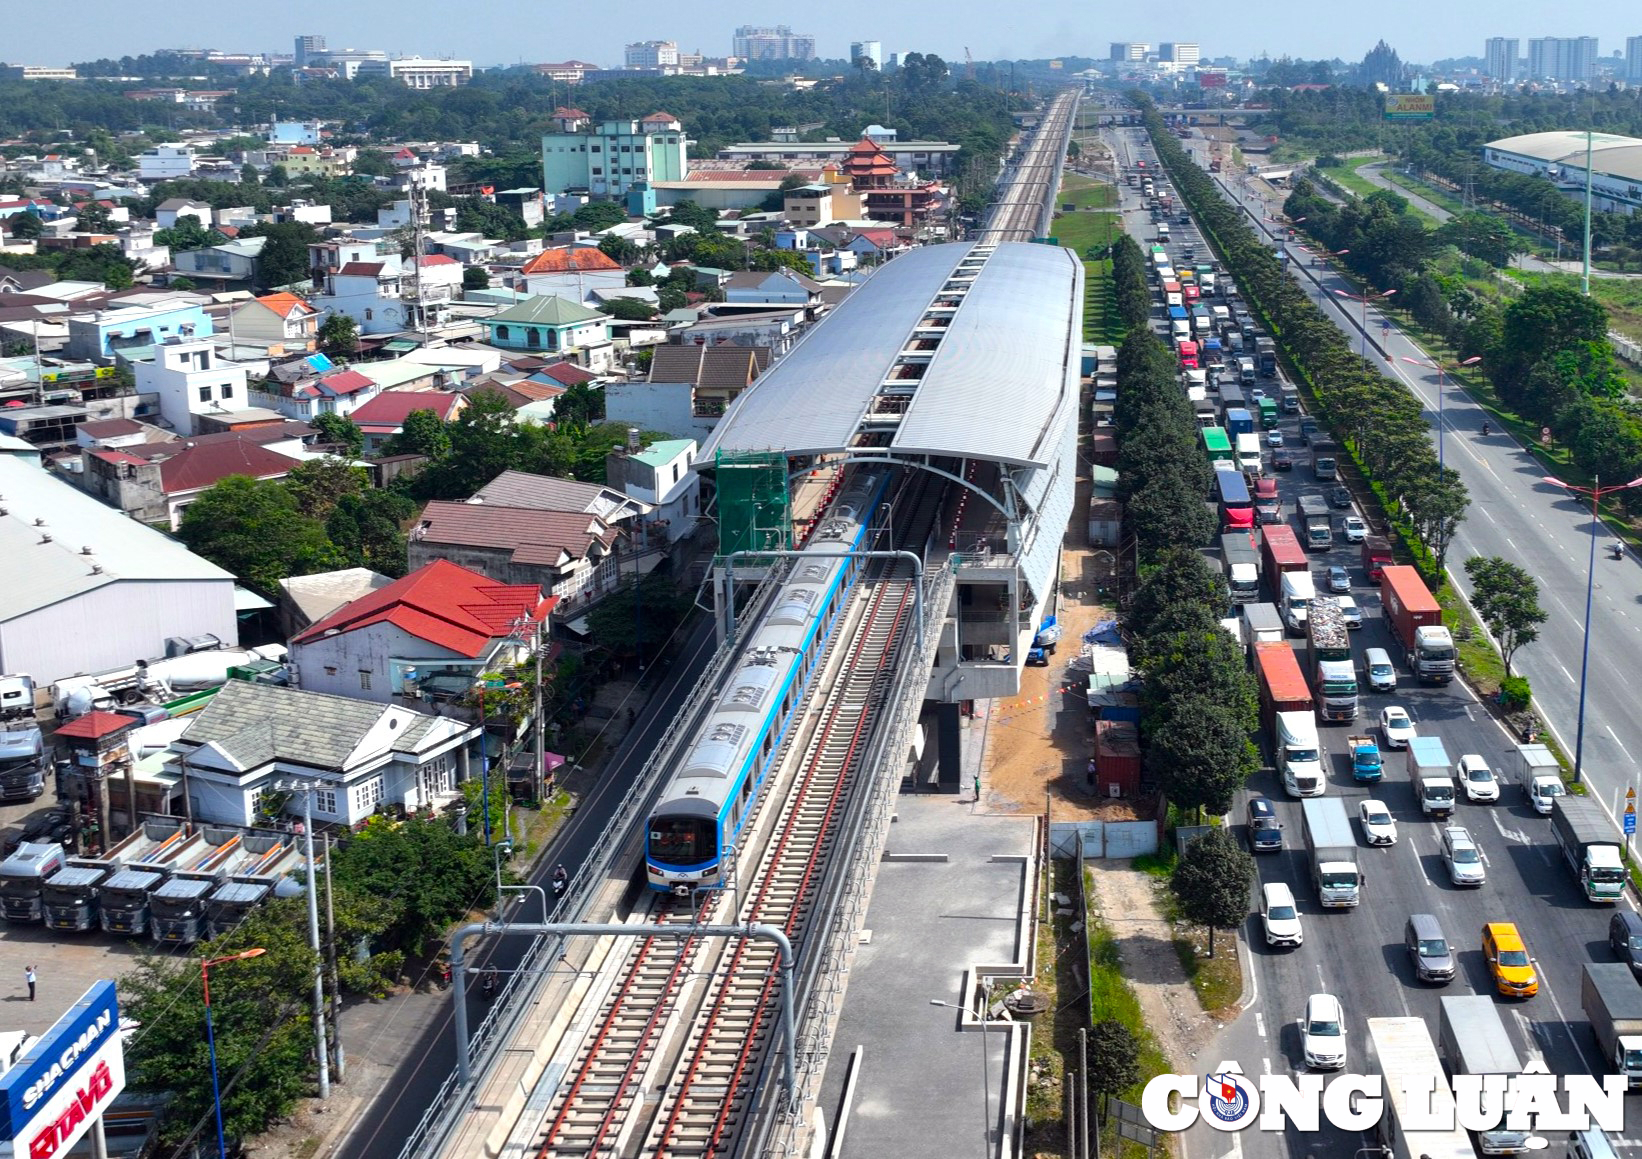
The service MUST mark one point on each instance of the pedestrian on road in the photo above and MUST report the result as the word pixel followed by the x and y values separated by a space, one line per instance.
pixel 1091 774
pixel 977 789
pixel 28 976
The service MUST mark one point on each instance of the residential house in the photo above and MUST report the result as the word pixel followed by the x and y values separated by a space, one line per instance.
pixel 822 203
pixel 168 212
pixel 616 155
pixel 282 322
pixel 165 163
pixel 104 335
pixel 341 392
pixel 369 756
pixel 660 476
pixel 312 161
pixel 234 261
pixel 526 202
pixel 155 482
pixel 749 290
pixel 326 257
pixel 304 599
pixel 384 416
pixel 571 272
pixel 382 299
pixel 191 379
pixel 428 635
pixel 554 325
pixel 689 388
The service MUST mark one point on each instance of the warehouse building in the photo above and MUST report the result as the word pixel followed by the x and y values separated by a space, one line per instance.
pixel 1616 164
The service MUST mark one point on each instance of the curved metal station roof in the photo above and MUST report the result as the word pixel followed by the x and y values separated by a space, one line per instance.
pixel 996 330
pixel 1611 155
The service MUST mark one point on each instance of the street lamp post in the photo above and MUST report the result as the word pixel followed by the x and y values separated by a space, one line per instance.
pixel 211 1033
pixel 986 1078
pixel 1363 300
pixel 1441 394
pixel 308 789
pixel 1596 491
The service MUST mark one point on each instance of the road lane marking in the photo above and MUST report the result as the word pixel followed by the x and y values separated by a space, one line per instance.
pixel 1516 835
pixel 1260 1024
pixel 1617 741
pixel 1566 673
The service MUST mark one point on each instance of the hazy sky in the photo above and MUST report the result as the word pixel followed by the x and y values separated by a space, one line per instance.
pixel 491 32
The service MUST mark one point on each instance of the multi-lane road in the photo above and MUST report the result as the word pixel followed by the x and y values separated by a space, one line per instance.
pixel 1357 954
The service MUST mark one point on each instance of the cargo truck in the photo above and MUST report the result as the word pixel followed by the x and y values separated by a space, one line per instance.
pixel 1366 766
pixel 146 860
pixel 1416 624
pixel 1376 555
pixel 1429 773
pixel 1261 625
pixel 23 877
pixel 179 905
pixel 1417 1094
pixel 1268 413
pixel 73 894
pixel 1325 466
pixel 22 750
pixel 1613 1003
pixel 1291 400
pixel 1328 659
pixel 1333 849
pixel 1265 356
pixel 1249 457
pixel 1281 552
pixel 251 885
pixel 1268 505
pixel 1231 398
pixel 1590 846
pixel 1239 421
pixel 1240 561
pixel 1537 771
pixel 1314 518
pixel 1286 712
pixel 1298 589
pixel 1473 1041
pixel 1247 375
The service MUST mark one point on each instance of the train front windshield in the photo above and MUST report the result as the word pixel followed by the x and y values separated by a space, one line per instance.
pixel 683 840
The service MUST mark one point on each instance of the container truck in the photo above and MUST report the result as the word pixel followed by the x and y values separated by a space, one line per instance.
pixel 250 886
pixel 1239 421
pixel 1286 712
pixel 1298 590
pixel 1268 413
pixel 1473 1041
pixel 1236 506
pixel 1314 518
pixel 1240 561
pixel 1376 555
pixel 1613 1003
pixel 1417 1094
pixel 1268 505
pixel 1416 624
pixel 1231 398
pixel 1249 457
pixel 179 905
pixel 1261 625
pixel 1265 356
pixel 1537 771
pixel 1328 658
pixel 1590 846
pixel 1281 552
pixel 22 750
pixel 1333 852
pixel 1429 773
pixel 1366 766
pixel 147 860
pixel 23 877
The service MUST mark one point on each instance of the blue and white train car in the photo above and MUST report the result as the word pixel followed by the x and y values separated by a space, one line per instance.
pixel 709 797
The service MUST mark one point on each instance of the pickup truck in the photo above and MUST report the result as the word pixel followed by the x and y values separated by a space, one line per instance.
pixel 1366 767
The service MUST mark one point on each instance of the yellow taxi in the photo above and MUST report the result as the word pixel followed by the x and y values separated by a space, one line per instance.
pixel 1508 961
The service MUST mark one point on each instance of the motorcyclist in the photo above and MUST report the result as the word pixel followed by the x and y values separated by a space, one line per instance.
pixel 1616 549
pixel 561 879
pixel 490 982
pixel 1485 428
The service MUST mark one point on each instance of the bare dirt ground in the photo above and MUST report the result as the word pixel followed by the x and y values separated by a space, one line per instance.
pixel 1126 901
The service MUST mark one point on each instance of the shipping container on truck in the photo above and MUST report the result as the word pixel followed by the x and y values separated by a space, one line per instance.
pixel 1231 396
pixel 1416 623
pixel 1376 555
pixel 1262 625
pixel 1236 505
pixel 1265 357
pixel 1217 445
pixel 1239 419
pixel 1282 553
pixel 1286 714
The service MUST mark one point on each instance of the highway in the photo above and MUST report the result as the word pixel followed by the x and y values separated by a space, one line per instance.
pixel 1357 954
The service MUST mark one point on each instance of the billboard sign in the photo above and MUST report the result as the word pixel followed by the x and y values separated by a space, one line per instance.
pixel 1211 80
pixel 1410 107
pixel 67 1079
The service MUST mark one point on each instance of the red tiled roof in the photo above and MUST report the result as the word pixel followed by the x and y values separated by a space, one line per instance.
pixel 568 373
pixel 195 466
pixel 111 428
pixel 568 259
pixel 346 382
pixel 533 537
pixel 444 604
pixel 562 113
pixel 437 260
pixel 658 117
pixel 362 270
pixel 119 458
pixel 284 304
pixel 389 409
pixel 95 725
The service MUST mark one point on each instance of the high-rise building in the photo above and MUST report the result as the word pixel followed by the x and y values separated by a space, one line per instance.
pixel 306 48
pixel 1500 58
pixel 1129 50
pixel 868 49
pixel 1633 59
pixel 609 159
pixel 779 43
pixel 1565 58
pixel 1184 55
pixel 652 54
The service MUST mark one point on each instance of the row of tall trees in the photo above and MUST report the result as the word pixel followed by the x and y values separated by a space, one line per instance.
pixel 1379 420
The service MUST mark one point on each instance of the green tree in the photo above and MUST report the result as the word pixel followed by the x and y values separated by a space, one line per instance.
pixel 1507 599
pixel 368 529
pixel 339 334
pixel 284 256
pixel 422 433
pixel 485 440
pixel 1182 576
pixel 1113 1059
pixel 619 249
pixel 1200 754
pixel 24 226
pixel 254 529
pixel 278 176
pixel 181 283
pixel 598 215
pixel 318 485
pixel 640 618
pixel 579 406
pixel 93 217
pixel 431 875
pixel 1212 882
pixel 249 176
pixel 629 309
pixel 476 215
pixel 475 278
pixel 373 163
pixel 340 430
pixel 188 234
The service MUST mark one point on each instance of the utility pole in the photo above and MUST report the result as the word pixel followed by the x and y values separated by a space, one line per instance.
pixel 321 1053
pixel 337 1053
pixel 1585 278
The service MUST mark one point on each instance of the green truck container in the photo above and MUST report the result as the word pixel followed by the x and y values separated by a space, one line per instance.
pixel 1268 413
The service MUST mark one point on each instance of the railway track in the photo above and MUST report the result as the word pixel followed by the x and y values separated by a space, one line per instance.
pixel 1019 214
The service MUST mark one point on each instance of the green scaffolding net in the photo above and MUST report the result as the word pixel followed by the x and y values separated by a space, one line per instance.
pixel 754 508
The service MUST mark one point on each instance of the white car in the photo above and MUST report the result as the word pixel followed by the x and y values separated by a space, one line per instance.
pixel 1379 826
pixel 1464 859
pixel 1350 613
pixel 1274 437
pixel 1398 729
pixel 1279 916
pixel 1477 779
pixel 1354 527
pixel 1323 1033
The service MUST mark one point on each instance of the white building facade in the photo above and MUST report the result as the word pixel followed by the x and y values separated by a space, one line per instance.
pixel 191 379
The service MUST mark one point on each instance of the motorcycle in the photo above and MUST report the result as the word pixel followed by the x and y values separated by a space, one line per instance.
pixel 1616 550
pixel 490 984
pixel 1485 430
pixel 441 977
pixel 561 880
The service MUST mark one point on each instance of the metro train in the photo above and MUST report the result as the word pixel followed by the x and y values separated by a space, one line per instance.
pixel 709 797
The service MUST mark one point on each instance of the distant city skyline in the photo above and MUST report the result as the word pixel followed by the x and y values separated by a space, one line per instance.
pixel 490 33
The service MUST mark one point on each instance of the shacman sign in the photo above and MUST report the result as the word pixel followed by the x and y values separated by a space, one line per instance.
pixel 1228 1101
pixel 67 1079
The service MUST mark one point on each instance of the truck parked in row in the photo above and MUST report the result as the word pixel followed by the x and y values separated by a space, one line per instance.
pixel 1261 625
pixel 1328 657
pixel 1314 518
pixel 1590 846
pixel 144 861
pixel 22 748
pixel 1376 556
pixel 1286 713
pixel 1473 1041
pixel 1416 624
pixel 179 905
pixel 1240 561
pixel 23 877
pixel 1540 776
pixel 1430 773
pixel 1612 1002
pixel 251 884
pixel 1366 765
pixel 1265 356
pixel 1333 849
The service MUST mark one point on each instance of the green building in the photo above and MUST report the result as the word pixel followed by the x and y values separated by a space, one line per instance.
pixel 608 159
